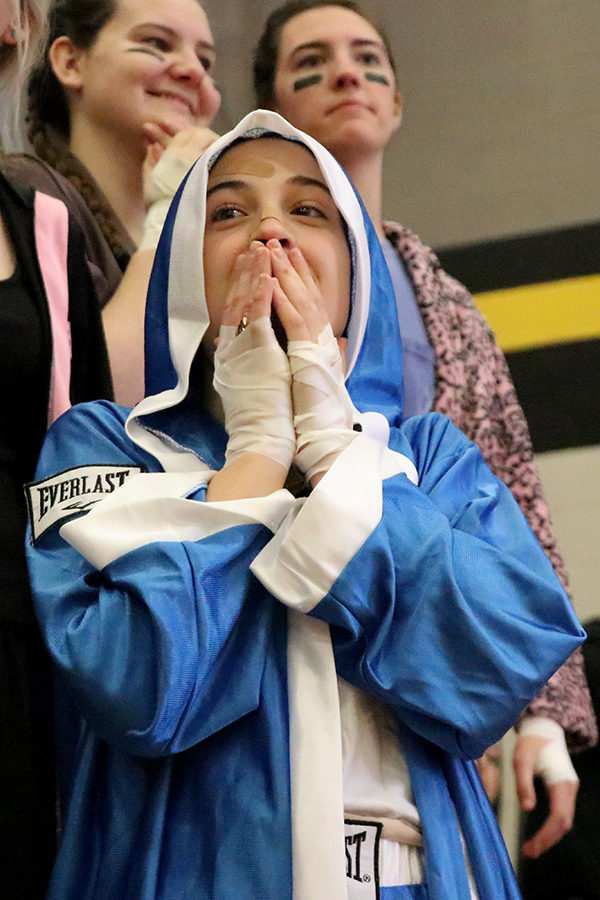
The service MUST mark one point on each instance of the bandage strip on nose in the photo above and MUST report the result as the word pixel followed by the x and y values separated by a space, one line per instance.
pixel 270 213
pixel 252 377
pixel 323 411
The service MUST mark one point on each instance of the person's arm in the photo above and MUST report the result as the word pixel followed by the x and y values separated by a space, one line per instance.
pixel 137 587
pixel 253 381
pixel 123 320
pixel 541 749
pixel 475 390
pixel 123 315
pixel 434 594
pixel 145 602
pixel 484 405
pixel 503 434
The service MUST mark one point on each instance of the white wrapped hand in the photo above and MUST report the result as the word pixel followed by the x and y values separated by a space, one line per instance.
pixel 252 377
pixel 167 175
pixel 164 177
pixel 553 762
pixel 323 412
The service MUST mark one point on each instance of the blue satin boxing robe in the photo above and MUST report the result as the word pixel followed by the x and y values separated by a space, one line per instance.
pixel 197 645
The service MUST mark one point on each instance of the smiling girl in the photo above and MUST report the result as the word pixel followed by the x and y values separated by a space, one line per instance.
pixel 119 75
pixel 122 81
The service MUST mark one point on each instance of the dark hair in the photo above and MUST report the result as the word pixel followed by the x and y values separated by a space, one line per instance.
pixel 266 55
pixel 80 20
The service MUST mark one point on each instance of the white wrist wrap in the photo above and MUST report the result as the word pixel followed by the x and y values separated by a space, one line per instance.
pixel 553 763
pixel 252 378
pixel 323 411
pixel 167 175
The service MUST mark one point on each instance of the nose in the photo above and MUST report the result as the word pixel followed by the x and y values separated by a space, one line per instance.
pixel 271 227
pixel 187 67
pixel 346 72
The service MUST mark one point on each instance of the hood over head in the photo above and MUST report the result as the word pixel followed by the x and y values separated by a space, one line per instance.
pixel 177 314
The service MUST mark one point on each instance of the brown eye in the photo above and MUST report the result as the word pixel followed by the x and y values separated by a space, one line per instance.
pixel 309 210
pixel 158 43
pixel 369 58
pixel 313 59
pixel 223 213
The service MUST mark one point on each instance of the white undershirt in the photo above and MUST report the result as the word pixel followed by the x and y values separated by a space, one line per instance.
pixel 375 774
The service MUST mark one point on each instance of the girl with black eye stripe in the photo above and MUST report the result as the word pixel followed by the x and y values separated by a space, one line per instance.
pixel 121 106
pixel 310 66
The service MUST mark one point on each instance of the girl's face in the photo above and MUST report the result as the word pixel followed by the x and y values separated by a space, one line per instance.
pixel 150 63
pixel 270 188
pixel 334 81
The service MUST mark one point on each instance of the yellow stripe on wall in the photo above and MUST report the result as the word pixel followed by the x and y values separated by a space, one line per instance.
pixel 556 312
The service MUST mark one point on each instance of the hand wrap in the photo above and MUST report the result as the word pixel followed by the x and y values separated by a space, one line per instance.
pixel 252 377
pixel 553 763
pixel 167 175
pixel 323 411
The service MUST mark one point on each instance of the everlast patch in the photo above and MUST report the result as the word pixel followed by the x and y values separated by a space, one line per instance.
pixel 70 492
pixel 362 859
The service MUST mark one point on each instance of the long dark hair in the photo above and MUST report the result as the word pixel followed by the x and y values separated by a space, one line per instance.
pixel 81 21
pixel 266 55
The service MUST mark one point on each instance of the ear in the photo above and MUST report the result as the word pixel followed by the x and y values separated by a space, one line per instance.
pixel 9 36
pixel 65 59
pixel 397 115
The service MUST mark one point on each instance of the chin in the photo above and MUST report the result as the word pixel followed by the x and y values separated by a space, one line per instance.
pixel 355 138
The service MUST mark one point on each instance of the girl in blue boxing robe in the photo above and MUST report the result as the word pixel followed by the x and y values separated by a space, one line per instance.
pixel 269 693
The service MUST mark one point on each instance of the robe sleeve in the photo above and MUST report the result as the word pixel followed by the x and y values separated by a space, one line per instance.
pixel 475 389
pixel 156 626
pixel 439 598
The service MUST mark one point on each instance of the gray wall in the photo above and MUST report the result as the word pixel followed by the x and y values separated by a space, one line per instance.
pixel 501 131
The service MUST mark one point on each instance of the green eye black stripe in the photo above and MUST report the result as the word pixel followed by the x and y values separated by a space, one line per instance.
pixel 375 76
pixel 149 50
pixel 307 82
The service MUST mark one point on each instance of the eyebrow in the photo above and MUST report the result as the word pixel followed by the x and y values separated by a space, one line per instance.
pixel 206 45
pixel 233 184
pixel 323 45
pixel 305 181
pixel 236 184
